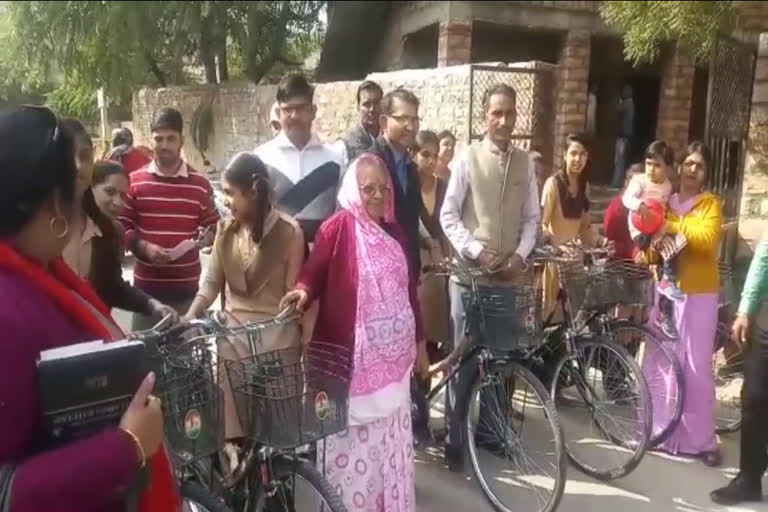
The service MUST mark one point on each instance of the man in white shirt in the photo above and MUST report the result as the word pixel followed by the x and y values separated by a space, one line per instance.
pixel 491 216
pixel 305 172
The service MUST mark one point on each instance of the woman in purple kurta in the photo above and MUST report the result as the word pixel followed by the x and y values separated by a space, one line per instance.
pixel 367 294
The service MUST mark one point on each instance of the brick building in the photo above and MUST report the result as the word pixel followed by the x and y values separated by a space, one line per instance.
pixel 670 96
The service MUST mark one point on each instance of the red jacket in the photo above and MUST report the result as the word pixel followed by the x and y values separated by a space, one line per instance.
pixel 330 275
pixel 617 230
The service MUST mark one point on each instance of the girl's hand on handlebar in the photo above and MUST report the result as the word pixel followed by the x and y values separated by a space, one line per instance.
pixel 295 298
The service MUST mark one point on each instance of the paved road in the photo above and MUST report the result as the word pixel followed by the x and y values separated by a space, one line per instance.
pixel 661 483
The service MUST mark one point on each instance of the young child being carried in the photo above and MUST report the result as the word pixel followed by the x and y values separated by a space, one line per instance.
pixel 646 197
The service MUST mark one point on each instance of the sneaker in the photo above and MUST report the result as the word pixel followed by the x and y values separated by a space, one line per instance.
pixel 670 290
pixel 741 489
pixel 666 326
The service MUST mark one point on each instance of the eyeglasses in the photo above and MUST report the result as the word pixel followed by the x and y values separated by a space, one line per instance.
pixel 405 119
pixel 370 190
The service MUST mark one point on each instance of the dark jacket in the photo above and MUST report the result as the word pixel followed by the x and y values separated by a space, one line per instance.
pixel 432 222
pixel 408 206
pixel 357 142
pixel 106 273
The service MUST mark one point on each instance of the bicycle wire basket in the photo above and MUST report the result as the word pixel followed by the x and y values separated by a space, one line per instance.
pixel 286 399
pixel 193 403
pixel 633 284
pixel 505 317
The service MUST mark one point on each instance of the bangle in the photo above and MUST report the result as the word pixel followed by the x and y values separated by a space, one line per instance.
pixel 136 441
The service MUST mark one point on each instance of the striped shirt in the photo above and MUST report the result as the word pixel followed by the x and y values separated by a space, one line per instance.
pixel 165 211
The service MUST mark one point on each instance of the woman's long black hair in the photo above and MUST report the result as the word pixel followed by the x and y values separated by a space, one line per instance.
pixel 249 174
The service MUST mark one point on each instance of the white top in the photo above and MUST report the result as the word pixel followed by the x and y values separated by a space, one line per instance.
pixel 295 163
pixel 641 188
pixel 456 193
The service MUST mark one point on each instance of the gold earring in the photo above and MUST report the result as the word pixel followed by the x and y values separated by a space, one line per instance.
pixel 64 232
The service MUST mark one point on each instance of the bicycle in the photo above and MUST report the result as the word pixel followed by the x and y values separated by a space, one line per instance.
pixel 501 379
pixel 593 376
pixel 273 475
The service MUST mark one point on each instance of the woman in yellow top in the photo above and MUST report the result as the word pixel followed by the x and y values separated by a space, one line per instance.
pixel 255 261
pixel 565 214
pixel 697 214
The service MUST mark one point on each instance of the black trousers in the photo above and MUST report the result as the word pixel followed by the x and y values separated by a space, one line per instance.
pixel 754 409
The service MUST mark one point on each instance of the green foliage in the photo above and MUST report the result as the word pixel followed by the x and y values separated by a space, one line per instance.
pixel 648 25
pixel 66 50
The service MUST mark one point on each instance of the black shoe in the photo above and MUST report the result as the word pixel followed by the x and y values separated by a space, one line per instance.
pixel 454 458
pixel 741 489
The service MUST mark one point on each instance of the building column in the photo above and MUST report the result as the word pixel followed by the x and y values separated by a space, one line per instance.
pixel 753 214
pixel 674 112
pixel 571 103
pixel 454 43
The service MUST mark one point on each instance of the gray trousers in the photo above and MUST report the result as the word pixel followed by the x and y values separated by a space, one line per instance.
pixel 459 387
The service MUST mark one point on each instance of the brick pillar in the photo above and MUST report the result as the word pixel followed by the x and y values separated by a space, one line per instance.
pixel 454 44
pixel 753 214
pixel 674 113
pixel 571 103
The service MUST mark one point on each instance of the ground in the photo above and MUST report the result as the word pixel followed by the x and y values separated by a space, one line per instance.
pixel 661 483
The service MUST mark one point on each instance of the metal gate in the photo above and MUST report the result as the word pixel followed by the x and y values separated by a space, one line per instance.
pixel 535 88
pixel 729 97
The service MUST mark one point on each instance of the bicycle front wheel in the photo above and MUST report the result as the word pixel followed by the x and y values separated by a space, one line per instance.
pixel 514 439
pixel 296 486
pixel 605 408
pixel 663 374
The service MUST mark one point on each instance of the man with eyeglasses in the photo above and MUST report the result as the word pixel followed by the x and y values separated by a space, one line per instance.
pixel 305 172
pixel 399 124
pixel 491 216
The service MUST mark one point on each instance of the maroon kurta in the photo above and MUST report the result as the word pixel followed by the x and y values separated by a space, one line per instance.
pixel 330 275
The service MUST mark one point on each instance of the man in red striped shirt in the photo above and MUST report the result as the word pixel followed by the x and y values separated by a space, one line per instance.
pixel 168 203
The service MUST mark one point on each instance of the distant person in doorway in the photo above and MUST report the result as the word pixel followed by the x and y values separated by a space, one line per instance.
pixel 626 134
pixel 305 173
pixel 363 136
pixel 168 202
pixel 124 152
pixel 445 155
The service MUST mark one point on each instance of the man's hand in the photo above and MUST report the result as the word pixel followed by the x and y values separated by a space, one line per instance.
pixel 155 254
pixel 488 258
pixel 740 329
pixel 205 237
pixel 515 265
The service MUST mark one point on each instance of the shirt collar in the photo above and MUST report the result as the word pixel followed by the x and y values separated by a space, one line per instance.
pixel 182 172
pixel 90 231
pixel 493 148
pixel 365 132
pixel 283 142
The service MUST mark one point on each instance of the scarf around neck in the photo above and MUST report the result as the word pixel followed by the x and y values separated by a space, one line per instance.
pixel 60 284
pixel 572 207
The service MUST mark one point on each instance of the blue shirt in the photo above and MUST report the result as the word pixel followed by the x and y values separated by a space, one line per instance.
pixel 401 170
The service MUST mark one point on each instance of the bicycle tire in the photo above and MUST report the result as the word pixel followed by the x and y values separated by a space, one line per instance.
pixel 196 498
pixel 550 413
pixel 641 445
pixel 285 467
pixel 665 351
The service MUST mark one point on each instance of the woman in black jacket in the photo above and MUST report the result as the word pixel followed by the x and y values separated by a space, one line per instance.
pixel 95 249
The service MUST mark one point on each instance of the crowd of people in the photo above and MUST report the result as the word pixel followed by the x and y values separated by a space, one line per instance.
pixel 340 231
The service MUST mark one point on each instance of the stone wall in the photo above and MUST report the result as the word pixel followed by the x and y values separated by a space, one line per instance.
pixel 240 110
pixel 753 217
pixel 571 115
pixel 675 97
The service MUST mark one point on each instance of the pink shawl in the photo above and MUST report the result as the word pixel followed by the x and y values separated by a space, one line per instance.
pixel 384 320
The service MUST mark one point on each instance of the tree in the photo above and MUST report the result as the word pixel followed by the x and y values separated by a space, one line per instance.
pixel 71 48
pixel 647 25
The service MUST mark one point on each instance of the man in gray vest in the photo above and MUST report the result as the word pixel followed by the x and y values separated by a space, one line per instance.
pixel 490 212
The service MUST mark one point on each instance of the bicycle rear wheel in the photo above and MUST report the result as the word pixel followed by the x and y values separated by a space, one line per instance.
pixel 605 408
pixel 663 374
pixel 514 439
pixel 729 379
pixel 298 487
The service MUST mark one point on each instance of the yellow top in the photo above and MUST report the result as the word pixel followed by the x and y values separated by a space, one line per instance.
pixel 697 263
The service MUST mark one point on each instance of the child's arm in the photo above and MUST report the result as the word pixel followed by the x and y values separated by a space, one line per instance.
pixel 632 194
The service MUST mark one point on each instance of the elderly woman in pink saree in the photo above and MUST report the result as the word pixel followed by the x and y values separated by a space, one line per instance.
pixel 367 295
